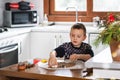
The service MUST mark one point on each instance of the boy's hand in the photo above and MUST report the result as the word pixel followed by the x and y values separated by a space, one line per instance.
pixel 74 57
pixel 52 62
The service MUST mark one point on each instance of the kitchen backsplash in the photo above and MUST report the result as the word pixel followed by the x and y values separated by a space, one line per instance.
pixel 38 6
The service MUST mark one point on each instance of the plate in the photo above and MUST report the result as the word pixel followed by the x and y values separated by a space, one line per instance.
pixel 63 65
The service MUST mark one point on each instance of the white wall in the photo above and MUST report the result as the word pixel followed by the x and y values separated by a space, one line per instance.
pixel 1 11
pixel 38 6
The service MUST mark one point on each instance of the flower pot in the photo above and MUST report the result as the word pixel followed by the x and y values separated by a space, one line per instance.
pixel 115 50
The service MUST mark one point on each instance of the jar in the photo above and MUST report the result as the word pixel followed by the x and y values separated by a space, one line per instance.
pixel 96 21
pixel 21 66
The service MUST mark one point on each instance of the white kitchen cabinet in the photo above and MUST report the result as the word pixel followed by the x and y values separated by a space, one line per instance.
pixel 42 43
pixel 61 38
pixel 24 46
pixel 91 38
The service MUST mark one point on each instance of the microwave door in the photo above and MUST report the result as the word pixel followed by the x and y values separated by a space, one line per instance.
pixel 20 18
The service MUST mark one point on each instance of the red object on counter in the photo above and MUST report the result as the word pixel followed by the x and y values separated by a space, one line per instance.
pixel 35 61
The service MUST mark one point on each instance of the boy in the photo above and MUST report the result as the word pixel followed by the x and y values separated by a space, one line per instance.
pixel 74 50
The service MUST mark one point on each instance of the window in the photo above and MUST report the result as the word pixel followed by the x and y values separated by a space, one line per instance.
pixel 87 9
pixel 113 5
pixel 61 5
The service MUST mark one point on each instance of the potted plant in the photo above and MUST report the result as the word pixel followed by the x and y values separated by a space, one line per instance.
pixel 111 35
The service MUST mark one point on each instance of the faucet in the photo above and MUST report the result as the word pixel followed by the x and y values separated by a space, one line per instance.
pixel 76 18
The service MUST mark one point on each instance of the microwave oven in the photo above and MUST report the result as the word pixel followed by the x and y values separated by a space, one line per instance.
pixel 20 18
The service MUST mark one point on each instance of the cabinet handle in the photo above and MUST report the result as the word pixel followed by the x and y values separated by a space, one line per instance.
pixel 56 42
pixel 60 40
pixel 19 47
pixel 9 48
pixel 89 38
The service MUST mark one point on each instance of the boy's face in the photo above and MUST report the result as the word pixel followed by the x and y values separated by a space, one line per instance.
pixel 77 36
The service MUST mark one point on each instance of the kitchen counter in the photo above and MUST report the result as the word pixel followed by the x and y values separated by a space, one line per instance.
pixel 59 27
pixel 14 31
pixel 66 26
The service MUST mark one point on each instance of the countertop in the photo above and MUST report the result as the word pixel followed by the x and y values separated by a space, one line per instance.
pixel 55 28
pixel 65 27
pixel 14 31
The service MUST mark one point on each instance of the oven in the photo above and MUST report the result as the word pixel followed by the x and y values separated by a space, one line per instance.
pixel 9 52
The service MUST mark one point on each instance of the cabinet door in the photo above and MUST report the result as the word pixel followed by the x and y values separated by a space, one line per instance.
pixel 42 43
pixel 24 46
pixel 63 37
pixel 86 40
pixel 91 39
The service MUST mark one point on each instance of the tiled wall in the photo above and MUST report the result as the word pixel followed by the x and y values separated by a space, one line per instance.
pixel 38 6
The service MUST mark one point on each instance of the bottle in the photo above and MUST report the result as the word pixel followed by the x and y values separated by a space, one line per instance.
pixel 45 20
pixel 96 21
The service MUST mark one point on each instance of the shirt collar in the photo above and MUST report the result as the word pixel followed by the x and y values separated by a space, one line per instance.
pixel 76 47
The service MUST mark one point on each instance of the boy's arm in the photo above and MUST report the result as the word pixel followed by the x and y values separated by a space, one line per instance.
pixel 52 62
pixel 53 54
pixel 84 57
pixel 89 53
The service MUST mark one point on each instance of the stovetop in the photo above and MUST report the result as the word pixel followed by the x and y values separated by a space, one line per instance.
pixel 3 29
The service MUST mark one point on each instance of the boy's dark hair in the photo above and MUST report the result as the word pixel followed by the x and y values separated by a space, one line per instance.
pixel 79 26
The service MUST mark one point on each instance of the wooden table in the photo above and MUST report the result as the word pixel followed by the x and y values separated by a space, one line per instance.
pixel 37 73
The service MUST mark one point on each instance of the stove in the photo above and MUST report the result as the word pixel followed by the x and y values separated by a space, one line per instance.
pixel 3 30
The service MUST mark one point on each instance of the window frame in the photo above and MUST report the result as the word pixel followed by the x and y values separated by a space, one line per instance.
pixel 70 16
